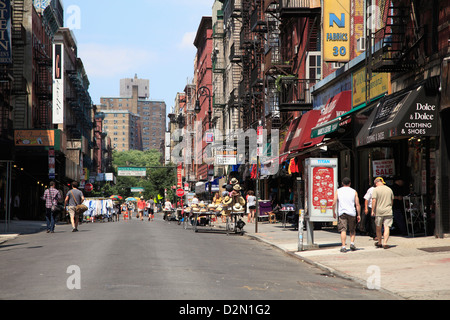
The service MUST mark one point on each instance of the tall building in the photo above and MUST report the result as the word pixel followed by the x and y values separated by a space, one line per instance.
pixel 126 87
pixel 150 123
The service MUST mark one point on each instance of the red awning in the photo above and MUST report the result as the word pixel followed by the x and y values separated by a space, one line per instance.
pixel 288 144
pixel 336 106
pixel 299 134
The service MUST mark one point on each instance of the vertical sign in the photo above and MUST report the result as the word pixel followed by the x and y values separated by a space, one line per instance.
pixel 180 176
pixel 51 164
pixel 58 83
pixel 5 32
pixel 336 30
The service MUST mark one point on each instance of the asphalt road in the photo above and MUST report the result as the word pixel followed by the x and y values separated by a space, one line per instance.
pixel 135 260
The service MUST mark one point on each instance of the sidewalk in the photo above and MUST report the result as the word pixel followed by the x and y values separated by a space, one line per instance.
pixel 413 268
pixel 18 227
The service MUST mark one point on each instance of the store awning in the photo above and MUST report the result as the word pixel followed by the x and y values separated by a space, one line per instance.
pixel 405 114
pixel 330 119
pixel 299 135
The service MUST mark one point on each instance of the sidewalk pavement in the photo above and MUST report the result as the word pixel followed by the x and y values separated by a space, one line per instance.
pixel 413 268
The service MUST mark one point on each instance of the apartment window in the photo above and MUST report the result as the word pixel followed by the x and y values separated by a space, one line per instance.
pixel 314 65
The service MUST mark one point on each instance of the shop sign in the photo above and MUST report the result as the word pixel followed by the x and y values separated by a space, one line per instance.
pixel 226 155
pixel 34 138
pixel 58 83
pixel 137 189
pixel 383 168
pixel 379 85
pixel 336 30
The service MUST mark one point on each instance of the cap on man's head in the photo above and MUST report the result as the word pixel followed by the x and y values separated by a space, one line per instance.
pixel 380 179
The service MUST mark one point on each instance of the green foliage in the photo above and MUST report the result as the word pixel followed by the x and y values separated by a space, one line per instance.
pixel 154 183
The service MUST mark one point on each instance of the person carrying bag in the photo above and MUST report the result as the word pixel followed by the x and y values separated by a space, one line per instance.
pixel 75 207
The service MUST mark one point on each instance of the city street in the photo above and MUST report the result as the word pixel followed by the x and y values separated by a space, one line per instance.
pixel 134 260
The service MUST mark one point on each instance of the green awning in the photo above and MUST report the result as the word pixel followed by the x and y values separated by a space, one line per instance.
pixel 332 125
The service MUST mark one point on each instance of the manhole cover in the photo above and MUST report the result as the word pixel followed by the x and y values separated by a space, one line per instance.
pixel 435 249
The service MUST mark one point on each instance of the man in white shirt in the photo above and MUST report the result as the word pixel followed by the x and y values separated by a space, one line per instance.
pixel 346 200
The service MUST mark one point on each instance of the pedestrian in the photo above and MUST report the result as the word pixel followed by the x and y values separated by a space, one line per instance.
pixel 251 206
pixel 149 208
pixel 73 198
pixel 382 201
pixel 51 197
pixel 141 207
pixel 367 220
pixel 167 209
pixel 345 201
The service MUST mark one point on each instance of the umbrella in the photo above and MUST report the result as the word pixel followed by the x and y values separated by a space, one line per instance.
pixel 116 197
pixel 130 199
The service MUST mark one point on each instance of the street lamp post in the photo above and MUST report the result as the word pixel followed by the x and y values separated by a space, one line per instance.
pixel 201 92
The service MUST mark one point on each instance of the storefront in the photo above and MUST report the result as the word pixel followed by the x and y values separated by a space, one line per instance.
pixel 397 141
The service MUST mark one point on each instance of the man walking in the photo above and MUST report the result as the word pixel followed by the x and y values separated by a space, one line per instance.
pixel 347 202
pixel 51 197
pixel 74 197
pixel 382 201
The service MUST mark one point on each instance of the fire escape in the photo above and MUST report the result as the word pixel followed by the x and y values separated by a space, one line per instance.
pixel 218 67
pixel 19 87
pixel 251 88
pixel 42 86
pixel 284 60
pixel 399 37
pixel 233 75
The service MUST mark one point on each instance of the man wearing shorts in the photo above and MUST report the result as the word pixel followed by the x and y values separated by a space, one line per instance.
pixel 73 198
pixel 141 207
pixel 347 202
pixel 382 201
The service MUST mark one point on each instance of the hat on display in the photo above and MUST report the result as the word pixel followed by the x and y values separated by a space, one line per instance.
pixel 237 187
pixel 202 204
pixel 234 181
pixel 203 210
pixel 238 208
pixel 227 200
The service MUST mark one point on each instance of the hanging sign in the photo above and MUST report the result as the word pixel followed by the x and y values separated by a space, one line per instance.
pixel 336 30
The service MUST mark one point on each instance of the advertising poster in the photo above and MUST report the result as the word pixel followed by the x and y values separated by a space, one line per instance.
pixel 321 181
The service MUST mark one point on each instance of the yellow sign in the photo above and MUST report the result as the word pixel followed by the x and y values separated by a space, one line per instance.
pixel 336 30
pixel 378 86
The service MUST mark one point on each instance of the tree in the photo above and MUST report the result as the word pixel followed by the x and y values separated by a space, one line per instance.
pixel 157 179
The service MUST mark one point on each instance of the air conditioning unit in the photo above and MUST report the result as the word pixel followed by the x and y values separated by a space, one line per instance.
pixel 337 65
pixel 361 44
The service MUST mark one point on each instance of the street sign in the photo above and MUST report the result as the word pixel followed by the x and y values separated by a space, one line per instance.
pixel 131 172
pixel 180 193
pixel 88 187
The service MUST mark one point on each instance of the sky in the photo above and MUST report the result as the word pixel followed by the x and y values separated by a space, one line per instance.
pixel 150 38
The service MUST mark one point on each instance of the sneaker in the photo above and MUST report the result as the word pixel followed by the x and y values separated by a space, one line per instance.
pixel 352 247
pixel 343 249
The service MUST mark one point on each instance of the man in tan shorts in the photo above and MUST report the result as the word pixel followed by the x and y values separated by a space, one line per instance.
pixel 382 200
